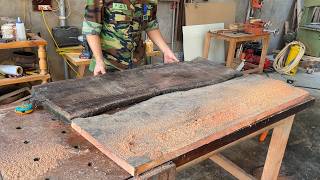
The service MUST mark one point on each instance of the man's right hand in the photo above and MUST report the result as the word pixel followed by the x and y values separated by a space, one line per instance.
pixel 100 68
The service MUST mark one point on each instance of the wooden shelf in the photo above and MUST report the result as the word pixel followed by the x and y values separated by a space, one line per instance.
pixel 34 41
pixel 30 78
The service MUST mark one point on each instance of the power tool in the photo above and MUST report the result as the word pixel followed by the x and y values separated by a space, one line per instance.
pixel 86 52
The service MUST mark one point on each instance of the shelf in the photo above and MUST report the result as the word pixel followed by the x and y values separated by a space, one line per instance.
pixel 30 78
pixel 33 42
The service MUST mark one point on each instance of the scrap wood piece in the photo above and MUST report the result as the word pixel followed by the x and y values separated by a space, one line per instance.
pixel 95 95
pixel 166 127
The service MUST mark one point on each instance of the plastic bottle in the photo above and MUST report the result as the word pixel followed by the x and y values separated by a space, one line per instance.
pixel 20 30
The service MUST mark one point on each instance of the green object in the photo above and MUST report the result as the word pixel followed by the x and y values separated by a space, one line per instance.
pixel 308 33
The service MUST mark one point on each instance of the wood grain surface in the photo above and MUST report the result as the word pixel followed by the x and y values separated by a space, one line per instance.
pixel 160 129
pixel 95 95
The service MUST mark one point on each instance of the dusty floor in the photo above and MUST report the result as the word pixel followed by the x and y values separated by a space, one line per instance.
pixel 302 157
pixel 75 158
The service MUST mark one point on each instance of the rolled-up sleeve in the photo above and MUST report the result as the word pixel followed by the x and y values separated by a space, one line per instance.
pixel 153 21
pixel 92 23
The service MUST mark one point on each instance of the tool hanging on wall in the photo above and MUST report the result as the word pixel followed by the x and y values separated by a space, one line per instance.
pixel 254 24
pixel 42 5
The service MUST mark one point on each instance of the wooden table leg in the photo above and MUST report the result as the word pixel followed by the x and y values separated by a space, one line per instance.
pixel 276 149
pixel 265 46
pixel 81 71
pixel 231 52
pixel 42 60
pixel 206 47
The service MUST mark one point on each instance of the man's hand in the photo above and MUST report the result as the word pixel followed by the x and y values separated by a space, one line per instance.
pixel 169 57
pixel 157 38
pixel 100 68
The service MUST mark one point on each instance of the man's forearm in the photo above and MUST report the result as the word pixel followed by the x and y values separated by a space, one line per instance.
pixel 95 45
pixel 156 37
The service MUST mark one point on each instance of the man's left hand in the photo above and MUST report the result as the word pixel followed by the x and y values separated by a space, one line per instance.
pixel 169 57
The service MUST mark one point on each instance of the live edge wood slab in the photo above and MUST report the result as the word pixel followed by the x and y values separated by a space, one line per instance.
pixel 170 126
pixel 95 95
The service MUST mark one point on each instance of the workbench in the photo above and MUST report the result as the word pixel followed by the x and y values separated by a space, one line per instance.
pixel 64 154
pixel 183 128
pixel 174 120
pixel 33 41
pixel 81 64
pixel 233 38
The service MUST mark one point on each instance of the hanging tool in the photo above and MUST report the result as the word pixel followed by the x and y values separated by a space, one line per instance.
pixel 256 4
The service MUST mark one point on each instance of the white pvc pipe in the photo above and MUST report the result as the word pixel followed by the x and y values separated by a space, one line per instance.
pixel 11 70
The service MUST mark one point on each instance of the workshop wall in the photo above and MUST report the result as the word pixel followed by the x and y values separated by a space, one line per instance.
pixel 275 10
pixel 34 22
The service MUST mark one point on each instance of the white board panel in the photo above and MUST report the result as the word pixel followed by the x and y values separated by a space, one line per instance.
pixel 193 42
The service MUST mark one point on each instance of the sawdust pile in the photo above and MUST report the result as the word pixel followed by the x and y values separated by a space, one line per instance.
pixel 28 151
pixel 166 125
pixel 22 164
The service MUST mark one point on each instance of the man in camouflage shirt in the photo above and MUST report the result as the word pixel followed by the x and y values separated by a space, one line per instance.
pixel 114 28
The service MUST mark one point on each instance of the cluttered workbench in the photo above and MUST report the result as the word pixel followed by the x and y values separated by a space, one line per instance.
pixel 32 41
pixel 237 37
pixel 157 122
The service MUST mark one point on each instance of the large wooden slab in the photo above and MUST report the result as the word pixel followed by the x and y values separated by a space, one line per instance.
pixel 168 126
pixel 95 95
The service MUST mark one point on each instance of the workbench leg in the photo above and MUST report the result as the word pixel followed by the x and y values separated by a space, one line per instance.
pixel 42 60
pixel 231 52
pixel 276 149
pixel 265 46
pixel 206 47
pixel 81 71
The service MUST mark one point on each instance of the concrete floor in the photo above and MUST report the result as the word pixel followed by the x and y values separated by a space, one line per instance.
pixel 302 157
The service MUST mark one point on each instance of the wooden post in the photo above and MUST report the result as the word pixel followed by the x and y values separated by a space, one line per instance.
pixel 81 71
pixel 42 60
pixel 276 149
pixel 265 46
pixel 206 47
pixel 231 52
pixel 232 168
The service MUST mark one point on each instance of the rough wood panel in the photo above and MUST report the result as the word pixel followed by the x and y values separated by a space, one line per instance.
pixel 95 95
pixel 165 127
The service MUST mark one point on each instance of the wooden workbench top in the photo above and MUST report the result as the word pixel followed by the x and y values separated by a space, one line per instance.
pixel 33 41
pixel 166 127
pixel 61 152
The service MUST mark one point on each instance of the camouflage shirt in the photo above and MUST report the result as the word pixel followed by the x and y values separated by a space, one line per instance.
pixel 120 24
